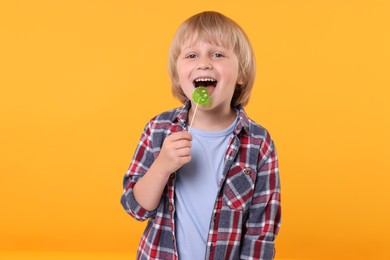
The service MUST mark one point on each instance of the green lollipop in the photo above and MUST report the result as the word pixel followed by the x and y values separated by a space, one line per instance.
pixel 201 96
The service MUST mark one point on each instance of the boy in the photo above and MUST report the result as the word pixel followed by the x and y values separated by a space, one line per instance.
pixel 213 193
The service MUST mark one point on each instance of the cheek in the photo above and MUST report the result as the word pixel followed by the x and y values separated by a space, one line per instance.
pixel 233 76
pixel 182 73
pixel 179 68
pixel 232 69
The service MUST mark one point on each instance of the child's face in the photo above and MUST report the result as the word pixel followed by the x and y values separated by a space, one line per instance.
pixel 209 65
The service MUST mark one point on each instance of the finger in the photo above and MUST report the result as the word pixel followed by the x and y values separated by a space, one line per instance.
pixel 183 152
pixel 185 159
pixel 181 144
pixel 174 145
pixel 181 135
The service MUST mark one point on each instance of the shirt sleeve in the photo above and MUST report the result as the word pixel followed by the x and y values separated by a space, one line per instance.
pixel 142 160
pixel 264 217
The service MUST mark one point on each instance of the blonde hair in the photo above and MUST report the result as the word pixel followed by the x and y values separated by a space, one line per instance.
pixel 214 27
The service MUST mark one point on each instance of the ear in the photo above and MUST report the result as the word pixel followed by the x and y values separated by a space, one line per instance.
pixel 240 78
pixel 240 81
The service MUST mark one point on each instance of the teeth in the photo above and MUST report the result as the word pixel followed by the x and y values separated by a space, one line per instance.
pixel 204 79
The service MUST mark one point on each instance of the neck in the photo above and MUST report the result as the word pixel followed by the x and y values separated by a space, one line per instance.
pixel 211 120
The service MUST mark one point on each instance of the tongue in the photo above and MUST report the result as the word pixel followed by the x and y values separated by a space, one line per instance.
pixel 210 89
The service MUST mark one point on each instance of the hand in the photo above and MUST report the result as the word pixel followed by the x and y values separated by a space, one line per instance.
pixel 175 152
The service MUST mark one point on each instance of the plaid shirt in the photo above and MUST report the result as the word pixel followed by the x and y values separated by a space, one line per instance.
pixel 246 214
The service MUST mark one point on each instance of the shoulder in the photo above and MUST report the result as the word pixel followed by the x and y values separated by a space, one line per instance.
pixel 163 124
pixel 253 129
pixel 169 115
pixel 256 130
pixel 166 119
pixel 258 135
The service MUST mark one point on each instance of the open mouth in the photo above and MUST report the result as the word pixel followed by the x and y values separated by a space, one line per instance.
pixel 208 83
pixel 205 82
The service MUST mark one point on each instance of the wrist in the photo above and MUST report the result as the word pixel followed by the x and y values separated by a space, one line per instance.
pixel 160 170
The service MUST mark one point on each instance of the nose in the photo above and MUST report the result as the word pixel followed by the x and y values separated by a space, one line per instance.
pixel 205 64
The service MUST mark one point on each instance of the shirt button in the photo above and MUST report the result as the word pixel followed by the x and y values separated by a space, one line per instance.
pixel 173 237
pixel 172 176
pixel 247 171
pixel 170 207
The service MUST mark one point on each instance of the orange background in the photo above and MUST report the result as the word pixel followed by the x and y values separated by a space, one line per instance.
pixel 80 78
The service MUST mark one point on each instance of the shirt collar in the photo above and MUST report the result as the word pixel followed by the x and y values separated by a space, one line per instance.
pixel 243 120
pixel 182 116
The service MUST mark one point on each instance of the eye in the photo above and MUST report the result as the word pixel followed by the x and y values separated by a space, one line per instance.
pixel 218 55
pixel 191 56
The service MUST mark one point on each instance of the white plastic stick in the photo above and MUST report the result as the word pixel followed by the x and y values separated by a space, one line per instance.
pixel 193 117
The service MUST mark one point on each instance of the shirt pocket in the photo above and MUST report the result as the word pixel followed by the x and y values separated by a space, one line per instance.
pixel 239 187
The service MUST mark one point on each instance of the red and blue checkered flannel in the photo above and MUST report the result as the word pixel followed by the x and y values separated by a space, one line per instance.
pixel 247 213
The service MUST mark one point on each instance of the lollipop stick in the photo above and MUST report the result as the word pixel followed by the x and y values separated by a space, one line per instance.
pixel 193 117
